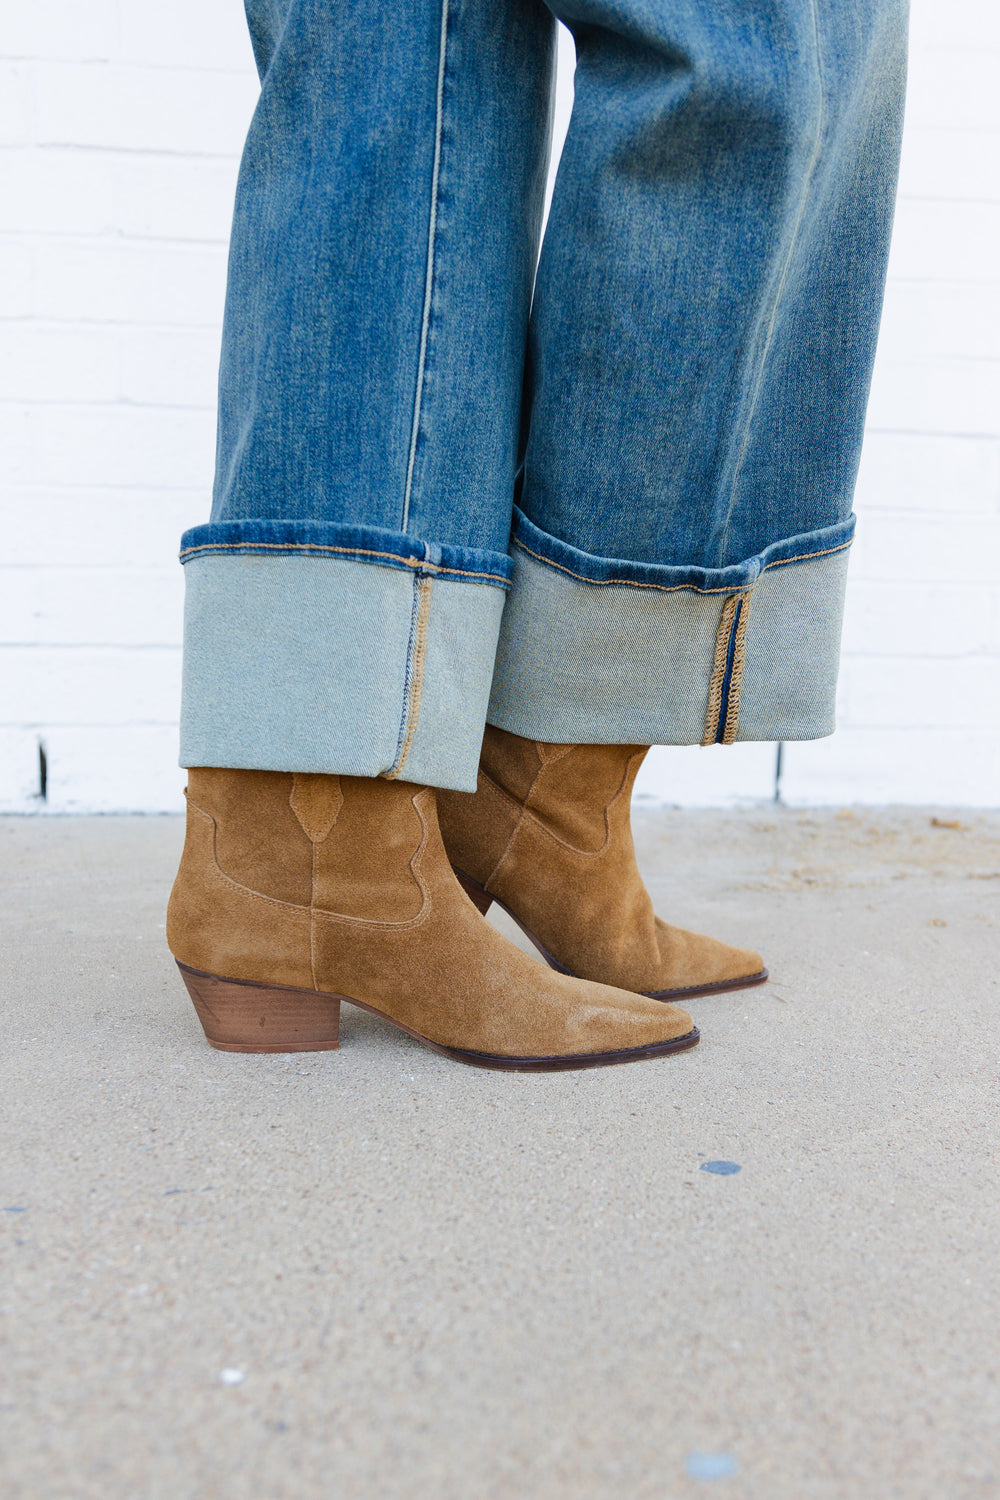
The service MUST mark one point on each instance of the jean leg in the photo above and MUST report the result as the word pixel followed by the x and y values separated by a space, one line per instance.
pixel 344 600
pixel 700 353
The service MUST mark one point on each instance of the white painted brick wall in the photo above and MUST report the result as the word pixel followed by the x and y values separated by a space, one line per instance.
pixel 120 131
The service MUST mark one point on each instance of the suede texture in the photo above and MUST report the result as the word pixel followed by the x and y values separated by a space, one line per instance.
pixel 548 834
pixel 384 920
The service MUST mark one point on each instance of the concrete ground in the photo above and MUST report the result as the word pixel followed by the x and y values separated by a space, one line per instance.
pixel 377 1273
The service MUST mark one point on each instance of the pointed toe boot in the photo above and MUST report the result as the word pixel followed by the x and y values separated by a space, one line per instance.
pixel 547 836
pixel 297 892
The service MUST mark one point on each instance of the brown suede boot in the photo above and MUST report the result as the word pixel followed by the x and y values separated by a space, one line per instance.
pixel 547 836
pixel 298 891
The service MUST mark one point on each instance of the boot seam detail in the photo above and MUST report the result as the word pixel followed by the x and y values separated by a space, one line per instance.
pixel 523 806
pixel 496 787
pixel 414 866
pixel 314 833
pixel 558 753
pixel 517 808
pixel 314 850
pixel 320 915
pixel 529 815
pixel 245 890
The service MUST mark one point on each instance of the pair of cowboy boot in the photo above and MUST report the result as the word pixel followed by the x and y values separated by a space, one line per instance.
pixel 298 891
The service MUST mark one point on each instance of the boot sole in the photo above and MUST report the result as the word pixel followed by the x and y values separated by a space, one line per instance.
pixel 242 1015
pixel 483 900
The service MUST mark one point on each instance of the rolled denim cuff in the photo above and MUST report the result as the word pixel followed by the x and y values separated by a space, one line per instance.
pixel 350 650
pixel 599 651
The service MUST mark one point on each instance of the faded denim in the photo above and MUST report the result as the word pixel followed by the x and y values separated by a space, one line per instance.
pixel 678 420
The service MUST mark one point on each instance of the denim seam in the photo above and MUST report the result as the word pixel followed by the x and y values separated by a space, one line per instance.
pixel 727 680
pixel 674 588
pixel 425 321
pixel 416 660
pixel 783 280
pixel 404 711
pixel 713 708
pixel 782 562
pixel 407 680
pixel 732 719
pixel 417 565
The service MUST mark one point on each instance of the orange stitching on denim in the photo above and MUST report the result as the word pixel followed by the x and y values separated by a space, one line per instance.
pixel 417 681
pixel 779 562
pixel 672 588
pixel 415 563
pixel 718 677
pixel 296 547
pixel 437 568
pixel 660 588
pixel 736 677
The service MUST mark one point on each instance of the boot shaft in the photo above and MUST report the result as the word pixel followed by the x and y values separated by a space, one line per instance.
pixel 342 844
pixel 575 791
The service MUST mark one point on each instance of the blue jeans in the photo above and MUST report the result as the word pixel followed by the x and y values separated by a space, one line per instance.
pixel 609 502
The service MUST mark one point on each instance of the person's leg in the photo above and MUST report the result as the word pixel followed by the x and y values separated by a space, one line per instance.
pixel 701 344
pixel 343 602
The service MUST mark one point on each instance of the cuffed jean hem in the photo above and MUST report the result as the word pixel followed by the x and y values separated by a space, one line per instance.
pixel 341 649
pixel 598 651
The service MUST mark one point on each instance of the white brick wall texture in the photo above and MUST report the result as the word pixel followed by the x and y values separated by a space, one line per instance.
pixel 120 131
